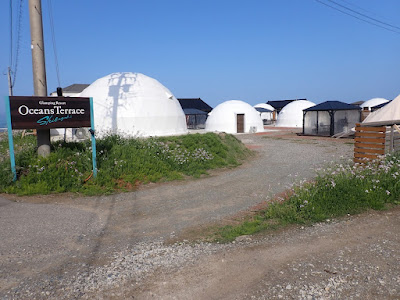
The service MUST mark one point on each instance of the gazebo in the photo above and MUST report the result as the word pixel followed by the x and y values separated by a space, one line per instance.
pixel 330 117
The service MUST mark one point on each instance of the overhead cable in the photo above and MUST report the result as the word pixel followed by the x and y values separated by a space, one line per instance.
pixel 54 40
pixel 359 18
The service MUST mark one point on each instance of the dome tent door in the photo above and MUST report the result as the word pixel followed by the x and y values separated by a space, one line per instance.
pixel 240 123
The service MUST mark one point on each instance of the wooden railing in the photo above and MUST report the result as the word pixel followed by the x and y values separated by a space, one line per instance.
pixel 369 142
pixel 393 139
pixel 373 141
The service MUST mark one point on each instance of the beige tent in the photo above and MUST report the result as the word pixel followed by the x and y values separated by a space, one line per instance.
pixel 387 115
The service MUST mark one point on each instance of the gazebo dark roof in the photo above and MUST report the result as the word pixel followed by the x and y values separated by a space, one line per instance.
pixel 333 105
pixel 196 103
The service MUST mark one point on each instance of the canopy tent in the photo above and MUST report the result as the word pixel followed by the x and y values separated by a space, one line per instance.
pixel 387 115
pixel 234 116
pixel 195 118
pixel 135 105
pixel 330 117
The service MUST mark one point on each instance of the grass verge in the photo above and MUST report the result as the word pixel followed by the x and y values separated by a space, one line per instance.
pixel 337 191
pixel 122 163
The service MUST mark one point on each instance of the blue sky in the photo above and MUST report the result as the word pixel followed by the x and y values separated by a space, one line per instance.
pixel 255 50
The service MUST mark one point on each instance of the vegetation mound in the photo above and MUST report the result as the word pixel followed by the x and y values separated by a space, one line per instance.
pixel 122 163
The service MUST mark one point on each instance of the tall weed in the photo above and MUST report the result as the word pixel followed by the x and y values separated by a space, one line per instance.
pixel 122 162
pixel 338 190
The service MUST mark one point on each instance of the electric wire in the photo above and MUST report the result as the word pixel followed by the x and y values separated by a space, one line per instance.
pixel 361 19
pixel 54 40
pixel 14 60
pixel 364 15
pixel 11 33
pixel 18 46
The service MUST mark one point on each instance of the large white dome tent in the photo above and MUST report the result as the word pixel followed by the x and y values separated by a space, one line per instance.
pixel 134 104
pixel 234 116
pixel 291 114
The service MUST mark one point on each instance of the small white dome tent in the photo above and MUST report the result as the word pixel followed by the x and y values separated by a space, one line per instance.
pixel 135 105
pixel 373 102
pixel 265 116
pixel 234 116
pixel 291 114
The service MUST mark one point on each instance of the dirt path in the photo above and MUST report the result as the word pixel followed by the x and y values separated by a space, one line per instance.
pixel 356 257
pixel 54 246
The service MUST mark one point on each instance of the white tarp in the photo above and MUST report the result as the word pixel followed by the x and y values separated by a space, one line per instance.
pixel 389 114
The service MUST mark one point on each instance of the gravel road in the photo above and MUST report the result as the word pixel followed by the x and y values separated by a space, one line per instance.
pixel 66 246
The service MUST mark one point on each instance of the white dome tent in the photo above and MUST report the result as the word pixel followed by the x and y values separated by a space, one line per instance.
pixel 373 102
pixel 134 104
pixel 291 114
pixel 234 116
pixel 265 116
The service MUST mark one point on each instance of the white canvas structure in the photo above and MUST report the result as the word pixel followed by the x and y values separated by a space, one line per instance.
pixel 134 104
pixel 373 102
pixel 387 115
pixel 291 114
pixel 226 116
pixel 266 115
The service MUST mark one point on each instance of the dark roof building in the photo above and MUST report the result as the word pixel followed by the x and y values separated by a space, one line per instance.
pixel 358 102
pixel 279 104
pixel 379 106
pixel 72 89
pixel 196 103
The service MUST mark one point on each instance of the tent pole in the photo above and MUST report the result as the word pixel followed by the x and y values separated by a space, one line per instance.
pixel 332 113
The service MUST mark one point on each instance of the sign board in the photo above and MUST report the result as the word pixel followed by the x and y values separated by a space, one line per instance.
pixel 49 112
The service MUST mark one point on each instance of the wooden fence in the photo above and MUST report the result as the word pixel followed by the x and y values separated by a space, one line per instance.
pixel 392 139
pixel 373 141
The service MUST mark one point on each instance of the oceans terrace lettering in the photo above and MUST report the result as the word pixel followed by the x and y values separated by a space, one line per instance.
pixel 25 110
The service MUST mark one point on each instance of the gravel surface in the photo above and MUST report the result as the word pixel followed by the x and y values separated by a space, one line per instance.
pixel 66 247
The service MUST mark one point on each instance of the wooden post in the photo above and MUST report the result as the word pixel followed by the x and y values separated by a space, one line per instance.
pixel 391 140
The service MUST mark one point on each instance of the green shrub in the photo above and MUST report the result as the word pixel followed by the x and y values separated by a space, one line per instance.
pixel 122 163
pixel 337 191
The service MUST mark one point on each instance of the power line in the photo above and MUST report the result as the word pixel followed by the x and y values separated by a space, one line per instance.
pixel 361 19
pixel 53 40
pixel 11 33
pixel 364 15
pixel 18 46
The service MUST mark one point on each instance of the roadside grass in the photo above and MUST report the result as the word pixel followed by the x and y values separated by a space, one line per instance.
pixel 122 163
pixel 338 190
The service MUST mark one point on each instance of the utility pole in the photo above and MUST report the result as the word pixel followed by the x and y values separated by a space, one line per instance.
pixel 39 68
pixel 10 90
